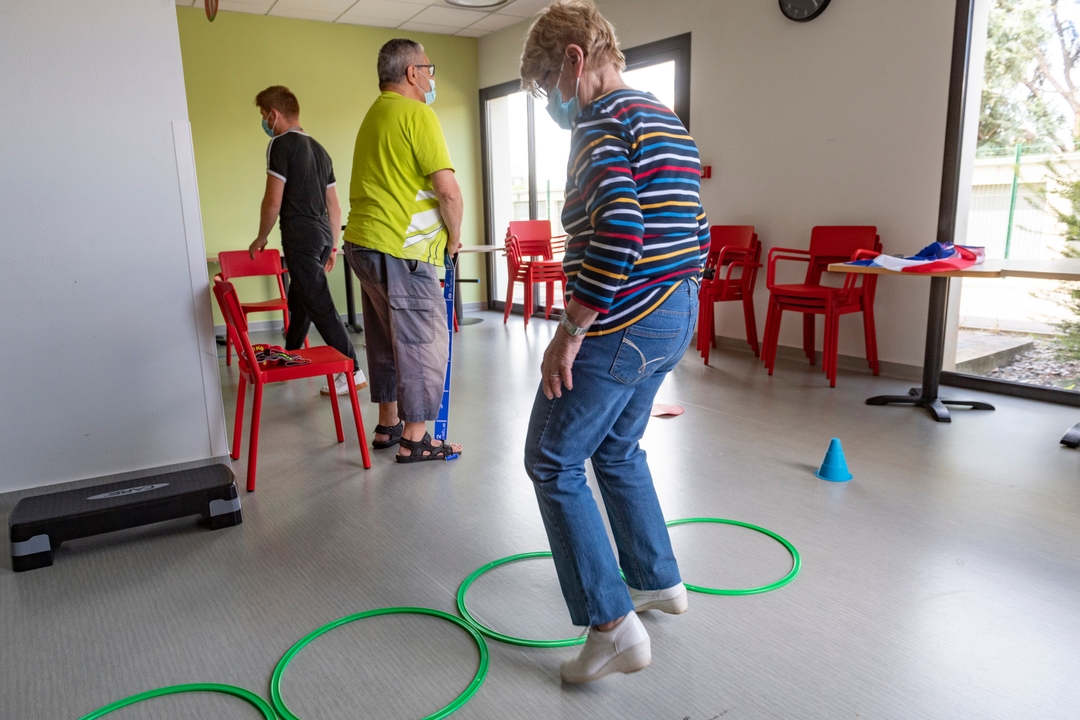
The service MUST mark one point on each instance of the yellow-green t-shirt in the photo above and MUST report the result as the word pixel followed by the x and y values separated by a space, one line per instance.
pixel 393 208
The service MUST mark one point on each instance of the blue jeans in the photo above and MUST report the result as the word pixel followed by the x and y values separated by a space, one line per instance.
pixel 616 377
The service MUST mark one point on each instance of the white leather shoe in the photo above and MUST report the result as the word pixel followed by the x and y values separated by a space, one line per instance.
pixel 670 600
pixel 625 648
pixel 341 383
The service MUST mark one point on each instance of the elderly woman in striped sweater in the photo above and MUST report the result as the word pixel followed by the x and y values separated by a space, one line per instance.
pixel 638 241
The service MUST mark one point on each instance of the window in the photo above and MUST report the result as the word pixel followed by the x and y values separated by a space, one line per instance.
pixel 525 152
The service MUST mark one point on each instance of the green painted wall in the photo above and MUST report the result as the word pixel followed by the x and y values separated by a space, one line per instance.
pixel 331 68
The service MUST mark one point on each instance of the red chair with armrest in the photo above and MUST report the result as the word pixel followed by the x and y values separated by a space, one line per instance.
pixel 530 260
pixel 828 244
pixel 731 247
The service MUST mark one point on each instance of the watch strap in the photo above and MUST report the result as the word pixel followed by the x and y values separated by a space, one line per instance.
pixel 568 325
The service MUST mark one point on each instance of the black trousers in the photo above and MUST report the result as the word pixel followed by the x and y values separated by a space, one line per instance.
pixel 310 301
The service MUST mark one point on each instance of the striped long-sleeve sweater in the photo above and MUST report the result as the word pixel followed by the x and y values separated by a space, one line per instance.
pixel 632 210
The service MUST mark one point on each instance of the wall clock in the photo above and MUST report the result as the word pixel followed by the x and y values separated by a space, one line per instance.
pixel 802 10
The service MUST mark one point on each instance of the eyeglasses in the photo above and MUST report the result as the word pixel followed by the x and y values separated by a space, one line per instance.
pixel 430 69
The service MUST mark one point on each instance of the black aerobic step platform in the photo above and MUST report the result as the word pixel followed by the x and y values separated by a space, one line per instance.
pixel 40 523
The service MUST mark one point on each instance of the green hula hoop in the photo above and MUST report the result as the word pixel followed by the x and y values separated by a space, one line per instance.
pixel 246 695
pixel 464 697
pixel 796 561
pixel 494 635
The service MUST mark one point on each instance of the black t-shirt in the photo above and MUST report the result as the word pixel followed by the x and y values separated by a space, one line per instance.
pixel 305 168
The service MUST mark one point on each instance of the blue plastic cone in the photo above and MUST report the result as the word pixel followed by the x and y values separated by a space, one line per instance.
pixel 834 467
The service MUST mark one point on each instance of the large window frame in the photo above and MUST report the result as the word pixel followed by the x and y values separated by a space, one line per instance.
pixel 959 85
pixel 675 49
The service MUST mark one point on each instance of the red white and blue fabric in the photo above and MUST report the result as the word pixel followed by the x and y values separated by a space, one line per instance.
pixel 935 257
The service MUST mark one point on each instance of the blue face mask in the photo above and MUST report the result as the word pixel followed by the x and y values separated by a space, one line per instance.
pixel 563 113
pixel 266 128
pixel 429 96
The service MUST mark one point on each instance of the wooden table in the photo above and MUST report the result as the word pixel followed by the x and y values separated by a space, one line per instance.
pixel 1065 269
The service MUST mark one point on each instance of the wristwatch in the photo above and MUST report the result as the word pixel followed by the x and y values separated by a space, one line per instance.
pixel 571 329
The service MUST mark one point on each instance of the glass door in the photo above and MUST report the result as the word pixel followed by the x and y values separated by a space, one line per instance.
pixel 507 172
pixel 525 178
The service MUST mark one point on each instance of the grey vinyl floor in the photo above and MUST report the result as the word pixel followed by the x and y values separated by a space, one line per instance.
pixel 943 581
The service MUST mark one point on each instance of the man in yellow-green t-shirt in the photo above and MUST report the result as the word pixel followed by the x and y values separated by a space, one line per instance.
pixel 405 216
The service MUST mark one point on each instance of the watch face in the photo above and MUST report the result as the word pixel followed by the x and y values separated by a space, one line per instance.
pixel 802 10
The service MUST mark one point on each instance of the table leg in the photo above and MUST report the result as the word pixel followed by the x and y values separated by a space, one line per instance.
pixel 459 305
pixel 927 396
pixel 1072 438
pixel 350 299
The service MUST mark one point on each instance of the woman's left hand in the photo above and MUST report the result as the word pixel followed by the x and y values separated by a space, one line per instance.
pixel 558 363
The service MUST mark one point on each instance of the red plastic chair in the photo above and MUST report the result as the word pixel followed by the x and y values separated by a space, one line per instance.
pixel 325 361
pixel 530 260
pixel 828 244
pixel 734 246
pixel 238 263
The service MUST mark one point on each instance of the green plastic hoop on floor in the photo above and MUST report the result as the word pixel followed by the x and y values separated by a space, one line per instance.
pixel 796 561
pixel 494 635
pixel 246 695
pixel 464 697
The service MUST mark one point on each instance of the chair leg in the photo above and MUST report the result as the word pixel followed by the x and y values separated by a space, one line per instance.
pixel 808 333
pixel 751 324
pixel 509 300
pixel 359 420
pixel 832 344
pixel 228 349
pixel 766 346
pixel 528 308
pixel 253 443
pixel 712 324
pixel 870 331
pixel 705 330
pixel 772 334
pixel 702 326
pixel 337 411
pixel 549 299
pixel 238 426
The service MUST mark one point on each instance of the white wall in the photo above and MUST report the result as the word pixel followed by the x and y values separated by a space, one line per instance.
pixel 836 121
pixel 108 363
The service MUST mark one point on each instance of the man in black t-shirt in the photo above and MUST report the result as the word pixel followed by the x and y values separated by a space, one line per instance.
pixel 302 191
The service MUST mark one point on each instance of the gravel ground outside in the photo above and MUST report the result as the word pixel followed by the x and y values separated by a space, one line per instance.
pixel 1040 366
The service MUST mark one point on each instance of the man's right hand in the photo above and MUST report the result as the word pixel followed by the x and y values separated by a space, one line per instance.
pixel 453 247
pixel 258 244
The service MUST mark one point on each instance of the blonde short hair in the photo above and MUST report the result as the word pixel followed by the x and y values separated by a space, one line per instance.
pixel 568 22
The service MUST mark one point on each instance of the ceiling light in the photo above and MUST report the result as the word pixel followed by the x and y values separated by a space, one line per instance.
pixel 477 4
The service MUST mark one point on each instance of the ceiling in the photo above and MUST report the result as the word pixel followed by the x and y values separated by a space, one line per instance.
pixel 433 16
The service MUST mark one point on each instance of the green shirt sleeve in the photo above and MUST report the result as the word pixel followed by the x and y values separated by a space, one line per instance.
pixel 429 143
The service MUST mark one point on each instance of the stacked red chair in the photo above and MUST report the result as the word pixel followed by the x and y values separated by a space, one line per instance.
pixel 530 260
pixel 312 362
pixel 828 244
pixel 267 263
pixel 732 247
